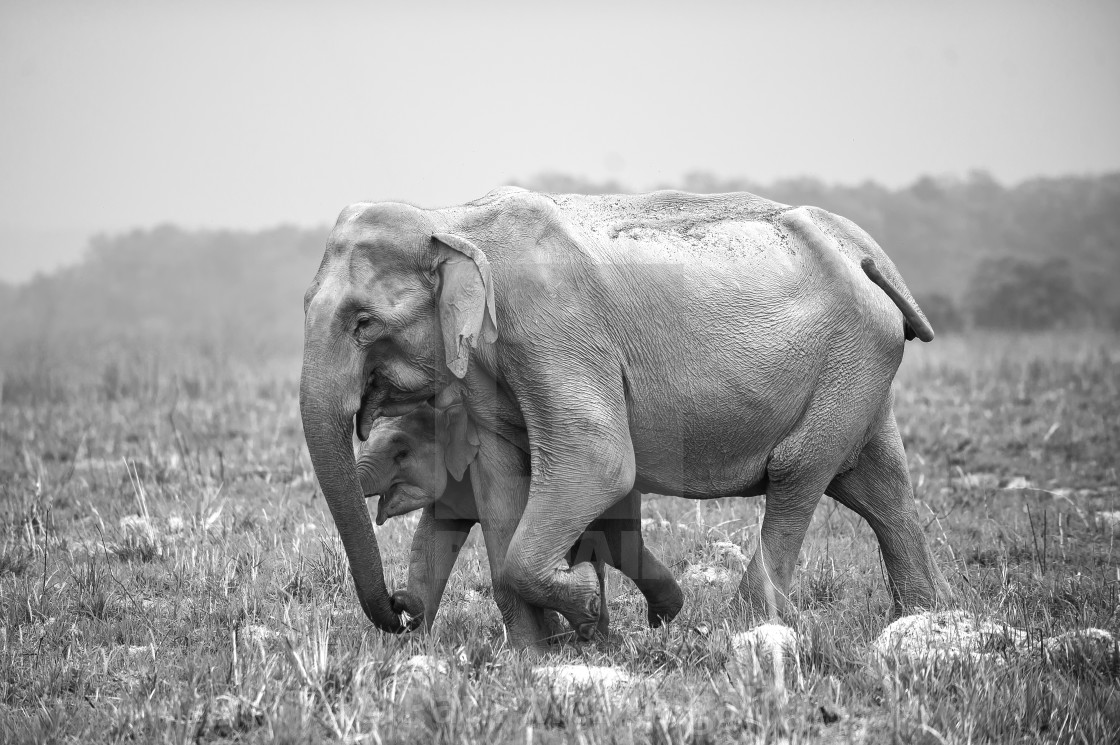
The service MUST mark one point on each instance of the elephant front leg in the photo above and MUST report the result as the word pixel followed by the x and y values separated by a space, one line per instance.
pixel 435 547
pixel 582 463
pixel 500 477
pixel 536 569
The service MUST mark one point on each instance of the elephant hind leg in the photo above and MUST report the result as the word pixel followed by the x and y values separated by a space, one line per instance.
pixel 622 528
pixel 878 489
pixel 799 469
pixel 664 598
pixel 625 550
pixel 789 510
pixel 615 537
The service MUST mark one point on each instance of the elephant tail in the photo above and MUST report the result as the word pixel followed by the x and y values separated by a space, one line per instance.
pixel 860 247
pixel 916 324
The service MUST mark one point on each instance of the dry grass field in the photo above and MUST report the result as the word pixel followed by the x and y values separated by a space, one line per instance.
pixel 168 574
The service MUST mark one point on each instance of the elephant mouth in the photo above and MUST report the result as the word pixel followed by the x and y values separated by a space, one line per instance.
pixel 398 499
pixel 383 396
pixel 370 407
pixel 382 510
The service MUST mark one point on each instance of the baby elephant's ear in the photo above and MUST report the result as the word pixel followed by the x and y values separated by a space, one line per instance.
pixel 460 439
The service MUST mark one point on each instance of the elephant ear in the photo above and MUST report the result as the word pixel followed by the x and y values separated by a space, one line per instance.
pixel 466 300
pixel 460 439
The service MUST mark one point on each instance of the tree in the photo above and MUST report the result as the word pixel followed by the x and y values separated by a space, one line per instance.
pixel 1013 293
pixel 942 312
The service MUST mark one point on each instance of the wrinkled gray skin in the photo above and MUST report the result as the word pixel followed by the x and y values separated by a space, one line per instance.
pixel 405 462
pixel 702 346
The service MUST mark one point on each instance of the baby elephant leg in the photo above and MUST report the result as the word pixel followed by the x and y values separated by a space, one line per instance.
pixel 615 538
pixel 435 547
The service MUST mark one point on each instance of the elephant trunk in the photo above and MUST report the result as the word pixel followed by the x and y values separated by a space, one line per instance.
pixel 372 477
pixel 375 481
pixel 325 394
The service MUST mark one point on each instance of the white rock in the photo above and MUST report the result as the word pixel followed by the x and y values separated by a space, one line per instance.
pixel 980 480
pixel 1084 646
pixel 946 635
pixel 931 638
pixel 727 548
pixel 1109 519
pixel 771 653
pixel 571 678
pixel 709 575
pixel 257 633
pixel 426 664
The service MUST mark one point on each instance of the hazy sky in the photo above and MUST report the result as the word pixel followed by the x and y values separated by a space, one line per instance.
pixel 240 114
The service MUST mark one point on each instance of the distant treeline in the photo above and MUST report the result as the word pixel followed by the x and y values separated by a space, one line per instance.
pixel 1043 254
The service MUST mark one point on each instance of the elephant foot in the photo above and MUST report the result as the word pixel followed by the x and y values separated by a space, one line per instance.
pixel 559 630
pixel 764 601
pixel 665 610
pixel 603 627
pixel 532 630
pixel 588 624
pixel 588 631
pixel 556 626
pixel 938 598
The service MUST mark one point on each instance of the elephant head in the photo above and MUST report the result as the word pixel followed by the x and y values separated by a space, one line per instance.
pixel 389 320
pixel 406 459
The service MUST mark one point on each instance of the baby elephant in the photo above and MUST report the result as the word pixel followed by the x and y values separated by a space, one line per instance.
pixel 420 461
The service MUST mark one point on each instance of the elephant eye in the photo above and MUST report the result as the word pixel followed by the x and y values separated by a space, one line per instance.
pixel 367 327
pixel 402 454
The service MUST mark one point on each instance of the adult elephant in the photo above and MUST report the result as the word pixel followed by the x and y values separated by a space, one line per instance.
pixel 703 346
